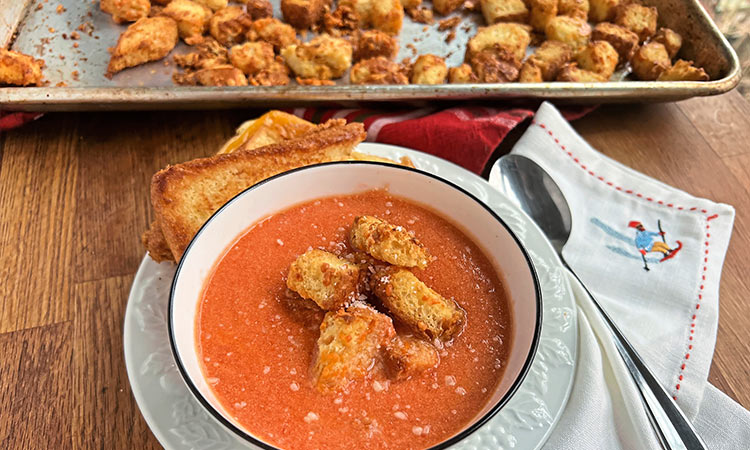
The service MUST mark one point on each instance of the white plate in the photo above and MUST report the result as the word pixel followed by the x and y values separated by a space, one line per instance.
pixel 179 422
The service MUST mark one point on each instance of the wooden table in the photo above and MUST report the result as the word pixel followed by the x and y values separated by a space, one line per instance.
pixel 74 200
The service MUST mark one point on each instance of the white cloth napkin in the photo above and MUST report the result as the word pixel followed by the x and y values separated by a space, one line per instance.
pixel 669 313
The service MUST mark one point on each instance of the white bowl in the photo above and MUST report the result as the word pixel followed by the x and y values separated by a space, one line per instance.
pixel 474 218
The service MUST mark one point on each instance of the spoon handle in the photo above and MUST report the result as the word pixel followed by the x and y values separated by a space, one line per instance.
pixel 673 429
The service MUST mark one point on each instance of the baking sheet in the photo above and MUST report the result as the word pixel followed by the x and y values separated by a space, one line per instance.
pixel 76 78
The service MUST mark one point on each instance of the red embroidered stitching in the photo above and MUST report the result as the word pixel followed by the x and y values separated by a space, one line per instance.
pixel 680 374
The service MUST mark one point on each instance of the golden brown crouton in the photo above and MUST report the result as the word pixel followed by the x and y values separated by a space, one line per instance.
pixel 273 31
pixel 571 72
pixel 542 11
pixel 624 41
pixel 387 242
pixel 378 70
pixel 410 3
pixel 19 69
pixel 429 69
pixel 208 53
pixel 383 15
pixel 446 7
pixel 229 25
pixel 258 9
pixel 495 65
pixel 650 61
pixel 126 10
pixel 574 8
pixel 349 343
pixel 513 37
pixel 641 20
pixel 408 356
pixel 149 39
pixel 571 30
pixel 343 21
pixel 504 11
pixel 192 19
pixel 598 57
pixel 670 39
pixel 252 57
pixel 215 5
pixel 225 75
pixel 303 14
pixel 324 57
pixel 549 58
pixel 683 71
pixel 603 10
pixel 421 14
pixel 276 74
pixel 530 73
pixel 372 43
pixel 461 75
pixel 415 304
pixel 326 279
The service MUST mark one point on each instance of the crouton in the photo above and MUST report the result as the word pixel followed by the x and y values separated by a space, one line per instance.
pixel 504 11
pixel 149 39
pixel 349 343
pixel 19 70
pixel 683 71
pixel 224 75
pixel 495 65
pixel 341 22
pixel 407 4
pixel 303 14
pixel 603 10
pixel 387 242
pixel 126 10
pixel 415 304
pixel 215 5
pixel 541 12
pixel 408 356
pixel 530 73
pixel 372 43
pixel 445 7
pixel 378 70
pixel 549 58
pixel 670 39
pixel 273 31
pixel 192 19
pixel 624 41
pixel 429 69
pixel 513 37
pixel 461 75
pixel 326 279
pixel 258 9
pixel 574 8
pixel 252 57
pixel 277 74
pixel 324 57
pixel 383 15
pixel 571 30
pixel 229 25
pixel 208 53
pixel 641 20
pixel 571 72
pixel 598 57
pixel 650 61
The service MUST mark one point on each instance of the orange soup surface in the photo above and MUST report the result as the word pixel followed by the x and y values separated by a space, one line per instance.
pixel 257 350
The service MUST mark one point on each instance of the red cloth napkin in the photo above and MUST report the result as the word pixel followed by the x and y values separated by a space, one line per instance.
pixel 10 120
pixel 465 135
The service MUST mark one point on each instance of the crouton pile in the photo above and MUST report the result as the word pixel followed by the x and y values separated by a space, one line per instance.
pixel 354 335
pixel 243 44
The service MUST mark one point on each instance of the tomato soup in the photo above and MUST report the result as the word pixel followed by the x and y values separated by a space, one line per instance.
pixel 257 351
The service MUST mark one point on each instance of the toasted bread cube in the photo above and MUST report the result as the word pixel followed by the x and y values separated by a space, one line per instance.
pixel 670 39
pixel 624 41
pixel 530 73
pixel 126 10
pixel 383 15
pixel 372 43
pixel 683 71
pixel 542 11
pixel 215 5
pixel 19 69
pixel 650 61
pixel 408 356
pixel 513 37
pixel 224 75
pixel 273 31
pixel 549 58
pixel 229 25
pixel 571 72
pixel 349 343
pixel 378 70
pixel 303 14
pixel 277 74
pixel 192 19
pixel 324 57
pixel 461 75
pixel 252 57
pixel 504 11
pixel 409 4
pixel 324 278
pixel 574 8
pixel 495 65
pixel 570 30
pixel 415 304
pixel 603 10
pixel 445 7
pixel 387 242
pixel 598 57
pixel 149 39
pixel 258 9
pixel 641 20
pixel 429 69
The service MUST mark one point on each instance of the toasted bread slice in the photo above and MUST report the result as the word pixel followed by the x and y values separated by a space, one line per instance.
pixel 185 195
pixel 320 276
pixel 387 242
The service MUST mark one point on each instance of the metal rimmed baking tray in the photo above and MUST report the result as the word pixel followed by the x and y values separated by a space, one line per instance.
pixel 43 30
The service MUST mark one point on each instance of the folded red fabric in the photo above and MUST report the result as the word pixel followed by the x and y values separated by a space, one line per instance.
pixel 10 120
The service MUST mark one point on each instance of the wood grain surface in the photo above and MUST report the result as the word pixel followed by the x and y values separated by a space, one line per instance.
pixel 74 196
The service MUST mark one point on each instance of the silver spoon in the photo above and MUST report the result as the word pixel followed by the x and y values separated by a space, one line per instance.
pixel 532 189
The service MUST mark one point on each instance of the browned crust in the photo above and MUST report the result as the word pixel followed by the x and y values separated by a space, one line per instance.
pixel 303 14
pixel 153 240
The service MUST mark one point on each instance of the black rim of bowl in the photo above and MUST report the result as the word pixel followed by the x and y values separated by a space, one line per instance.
pixel 453 440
